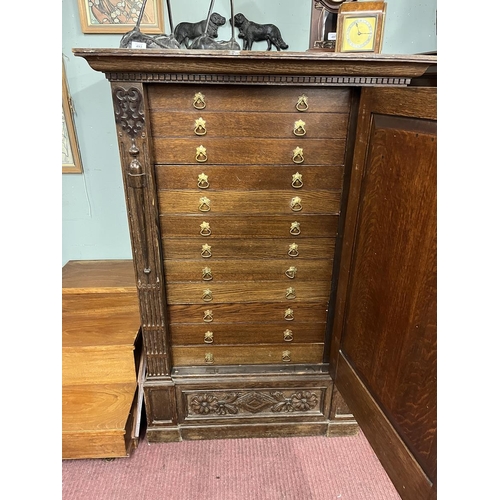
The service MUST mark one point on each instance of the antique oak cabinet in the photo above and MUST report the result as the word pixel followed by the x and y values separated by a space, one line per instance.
pixel 282 217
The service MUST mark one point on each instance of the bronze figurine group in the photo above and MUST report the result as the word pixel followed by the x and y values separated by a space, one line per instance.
pixel 202 34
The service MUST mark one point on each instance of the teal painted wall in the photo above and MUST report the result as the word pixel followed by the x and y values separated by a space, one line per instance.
pixel 94 218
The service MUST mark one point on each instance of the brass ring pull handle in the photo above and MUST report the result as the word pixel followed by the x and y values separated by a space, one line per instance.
pixel 208 316
pixel 209 358
pixel 293 250
pixel 302 103
pixel 298 155
pixel 206 274
pixel 291 272
pixel 199 101
pixel 299 128
pixel 286 357
pixel 295 228
pixel 288 335
pixel 203 181
pixel 295 204
pixel 297 181
pixel 290 293
pixel 204 204
pixel 208 338
pixel 200 126
pixel 201 154
pixel 206 251
pixel 288 315
pixel 205 229
pixel 207 295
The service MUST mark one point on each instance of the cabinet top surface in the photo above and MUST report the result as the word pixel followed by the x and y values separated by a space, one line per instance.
pixel 255 62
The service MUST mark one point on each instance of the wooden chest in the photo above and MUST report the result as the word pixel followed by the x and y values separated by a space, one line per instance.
pixel 238 168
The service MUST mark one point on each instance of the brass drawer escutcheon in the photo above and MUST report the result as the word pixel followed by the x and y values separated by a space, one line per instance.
pixel 289 315
pixel 291 272
pixel 295 204
pixel 302 103
pixel 201 154
pixel 209 358
pixel 293 250
pixel 295 228
pixel 208 337
pixel 203 181
pixel 286 357
pixel 288 335
pixel 290 293
pixel 297 181
pixel 199 101
pixel 206 251
pixel 298 155
pixel 207 295
pixel 206 274
pixel 205 229
pixel 299 128
pixel 204 204
pixel 208 316
pixel 200 126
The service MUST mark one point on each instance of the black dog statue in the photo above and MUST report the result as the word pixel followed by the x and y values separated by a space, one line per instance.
pixel 188 31
pixel 252 32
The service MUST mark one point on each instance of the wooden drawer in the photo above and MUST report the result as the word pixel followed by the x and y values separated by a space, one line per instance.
pixel 246 333
pixel 237 124
pixel 256 226
pixel 255 270
pixel 252 291
pixel 288 314
pixel 255 248
pixel 247 355
pixel 249 202
pixel 246 98
pixel 249 178
pixel 236 151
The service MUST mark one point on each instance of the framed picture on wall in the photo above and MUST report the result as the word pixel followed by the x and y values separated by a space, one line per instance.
pixel 71 161
pixel 120 16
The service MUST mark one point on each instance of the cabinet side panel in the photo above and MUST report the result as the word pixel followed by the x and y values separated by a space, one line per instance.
pixel 389 321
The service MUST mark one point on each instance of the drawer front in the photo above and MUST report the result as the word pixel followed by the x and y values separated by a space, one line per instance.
pixel 247 333
pixel 249 202
pixel 248 98
pixel 260 313
pixel 248 270
pixel 206 178
pixel 237 124
pixel 244 355
pixel 205 227
pixel 236 151
pixel 255 248
pixel 267 291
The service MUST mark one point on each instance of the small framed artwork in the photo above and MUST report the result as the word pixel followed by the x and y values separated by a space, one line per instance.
pixel 71 161
pixel 360 27
pixel 120 16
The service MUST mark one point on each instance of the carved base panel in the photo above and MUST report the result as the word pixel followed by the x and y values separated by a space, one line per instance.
pixel 254 403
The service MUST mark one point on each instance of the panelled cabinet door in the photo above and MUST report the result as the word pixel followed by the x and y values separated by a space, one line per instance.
pixel 384 349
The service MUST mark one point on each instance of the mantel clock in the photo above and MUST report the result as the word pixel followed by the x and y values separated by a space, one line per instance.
pixel 360 27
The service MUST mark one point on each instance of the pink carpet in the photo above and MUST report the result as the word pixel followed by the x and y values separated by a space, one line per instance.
pixel 308 468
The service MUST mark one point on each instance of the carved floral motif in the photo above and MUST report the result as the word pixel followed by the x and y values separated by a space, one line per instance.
pixel 251 402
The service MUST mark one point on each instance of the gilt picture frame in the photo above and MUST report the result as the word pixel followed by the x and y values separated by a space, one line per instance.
pixel 71 160
pixel 120 16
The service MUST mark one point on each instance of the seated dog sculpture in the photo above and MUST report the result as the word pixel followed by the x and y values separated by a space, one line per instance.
pixel 188 31
pixel 252 32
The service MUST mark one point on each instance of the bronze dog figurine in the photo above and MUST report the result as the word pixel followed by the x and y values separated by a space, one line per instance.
pixel 187 31
pixel 252 32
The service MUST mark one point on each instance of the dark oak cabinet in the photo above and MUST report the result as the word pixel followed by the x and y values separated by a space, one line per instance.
pixel 282 212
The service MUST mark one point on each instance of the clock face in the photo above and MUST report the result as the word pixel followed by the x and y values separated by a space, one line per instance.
pixel 359 34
